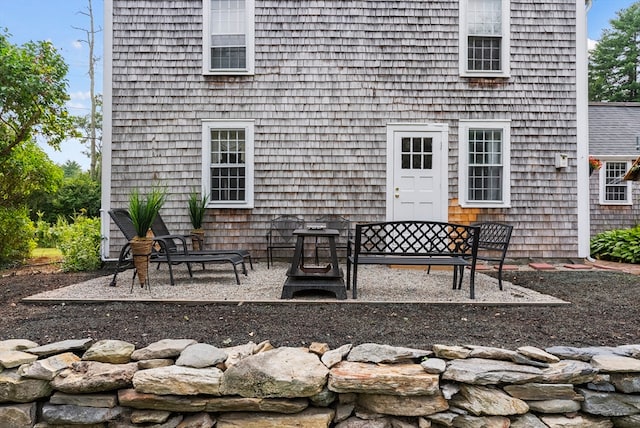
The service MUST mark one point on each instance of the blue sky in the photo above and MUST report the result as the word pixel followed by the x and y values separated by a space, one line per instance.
pixel 602 11
pixel 55 20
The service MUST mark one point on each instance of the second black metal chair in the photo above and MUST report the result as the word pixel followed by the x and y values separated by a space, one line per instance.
pixel 339 223
pixel 494 243
pixel 280 235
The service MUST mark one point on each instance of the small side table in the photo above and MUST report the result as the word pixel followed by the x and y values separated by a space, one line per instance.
pixel 301 277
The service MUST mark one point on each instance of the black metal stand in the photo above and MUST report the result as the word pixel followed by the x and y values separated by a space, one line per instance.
pixel 301 277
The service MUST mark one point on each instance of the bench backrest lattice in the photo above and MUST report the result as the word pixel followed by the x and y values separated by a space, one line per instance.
pixel 415 239
pixel 494 236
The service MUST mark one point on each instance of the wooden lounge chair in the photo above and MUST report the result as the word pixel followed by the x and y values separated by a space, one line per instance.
pixel 159 228
pixel 162 253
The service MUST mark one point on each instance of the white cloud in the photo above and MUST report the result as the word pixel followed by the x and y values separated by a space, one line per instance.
pixel 591 44
pixel 80 102
pixel 77 44
pixel 80 95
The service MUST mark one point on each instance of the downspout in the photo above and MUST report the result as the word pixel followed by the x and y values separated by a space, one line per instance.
pixel 582 129
pixel 107 106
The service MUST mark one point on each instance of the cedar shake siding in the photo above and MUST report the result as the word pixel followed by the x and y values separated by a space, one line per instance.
pixel 329 77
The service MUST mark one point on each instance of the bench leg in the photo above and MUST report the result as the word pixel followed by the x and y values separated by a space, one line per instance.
pixel 461 277
pixel 455 277
pixel 348 284
pixel 354 292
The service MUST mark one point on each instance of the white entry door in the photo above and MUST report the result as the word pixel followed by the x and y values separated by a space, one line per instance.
pixel 417 172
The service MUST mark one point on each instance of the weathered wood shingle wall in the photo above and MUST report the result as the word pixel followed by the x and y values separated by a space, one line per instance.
pixel 611 217
pixel 329 76
pixel 613 132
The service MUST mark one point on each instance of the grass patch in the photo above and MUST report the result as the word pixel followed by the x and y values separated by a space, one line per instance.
pixel 49 253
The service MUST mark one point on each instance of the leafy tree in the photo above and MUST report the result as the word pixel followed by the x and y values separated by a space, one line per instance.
pixel 614 63
pixel 26 174
pixel 71 169
pixel 33 93
pixel 78 193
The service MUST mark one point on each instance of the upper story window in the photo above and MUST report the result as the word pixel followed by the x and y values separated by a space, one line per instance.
pixel 484 162
pixel 227 163
pixel 228 36
pixel 613 189
pixel 484 38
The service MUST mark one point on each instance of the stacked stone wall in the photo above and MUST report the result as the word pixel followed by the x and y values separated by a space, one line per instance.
pixel 179 383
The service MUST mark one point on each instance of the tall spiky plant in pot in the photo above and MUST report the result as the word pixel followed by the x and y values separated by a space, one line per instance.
pixel 197 207
pixel 143 209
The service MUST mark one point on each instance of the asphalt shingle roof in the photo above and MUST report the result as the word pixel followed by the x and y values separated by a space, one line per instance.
pixel 614 129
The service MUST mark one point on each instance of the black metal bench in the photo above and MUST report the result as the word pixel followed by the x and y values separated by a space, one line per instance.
pixel 414 243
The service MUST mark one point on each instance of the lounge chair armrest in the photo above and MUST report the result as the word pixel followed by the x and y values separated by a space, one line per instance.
pixel 181 241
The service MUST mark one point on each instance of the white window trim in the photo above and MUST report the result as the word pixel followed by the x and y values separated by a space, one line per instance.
pixel 505 45
pixel 601 182
pixel 206 42
pixel 248 126
pixel 463 162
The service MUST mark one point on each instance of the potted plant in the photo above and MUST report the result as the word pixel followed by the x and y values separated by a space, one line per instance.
pixel 143 210
pixel 594 164
pixel 197 206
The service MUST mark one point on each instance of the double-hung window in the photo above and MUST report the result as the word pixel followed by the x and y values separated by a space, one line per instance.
pixel 484 163
pixel 227 163
pixel 613 189
pixel 228 36
pixel 484 38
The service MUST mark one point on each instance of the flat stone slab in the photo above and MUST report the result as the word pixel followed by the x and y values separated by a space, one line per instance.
pixel 577 266
pixel 541 266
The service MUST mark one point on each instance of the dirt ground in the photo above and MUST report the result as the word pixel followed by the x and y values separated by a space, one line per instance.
pixel 605 311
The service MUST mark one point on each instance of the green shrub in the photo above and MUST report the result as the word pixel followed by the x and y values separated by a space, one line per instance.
pixel 79 243
pixel 46 235
pixel 621 245
pixel 16 235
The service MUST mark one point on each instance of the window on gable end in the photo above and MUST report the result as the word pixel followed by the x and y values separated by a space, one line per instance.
pixel 484 38
pixel 613 189
pixel 484 174
pixel 228 36
pixel 227 163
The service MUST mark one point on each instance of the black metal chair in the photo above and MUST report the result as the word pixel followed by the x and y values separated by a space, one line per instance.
pixel 159 228
pixel 342 225
pixel 280 235
pixel 161 252
pixel 493 244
